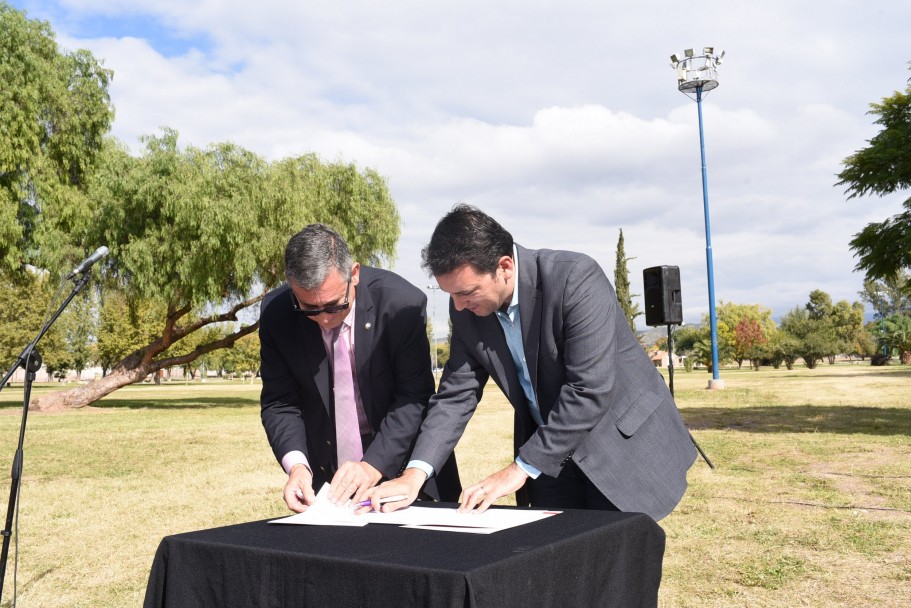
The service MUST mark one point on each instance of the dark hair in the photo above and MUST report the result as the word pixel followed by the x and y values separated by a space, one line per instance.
pixel 466 235
pixel 311 255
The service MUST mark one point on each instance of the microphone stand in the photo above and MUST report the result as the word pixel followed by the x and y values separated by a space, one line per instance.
pixel 30 360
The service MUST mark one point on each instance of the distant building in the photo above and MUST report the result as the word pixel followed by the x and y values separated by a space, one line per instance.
pixel 90 373
pixel 659 358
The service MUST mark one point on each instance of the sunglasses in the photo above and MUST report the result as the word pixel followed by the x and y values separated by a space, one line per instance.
pixel 328 309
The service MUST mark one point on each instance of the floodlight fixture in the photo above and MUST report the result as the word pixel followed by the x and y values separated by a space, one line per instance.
pixel 697 71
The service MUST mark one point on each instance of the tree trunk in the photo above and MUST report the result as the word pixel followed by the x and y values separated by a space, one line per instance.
pixel 89 393
pixel 139 364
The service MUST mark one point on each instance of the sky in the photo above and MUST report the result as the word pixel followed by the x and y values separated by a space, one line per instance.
pixel 561 119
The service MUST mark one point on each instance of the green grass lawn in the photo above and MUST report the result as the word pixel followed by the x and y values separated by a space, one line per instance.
pixel 809 503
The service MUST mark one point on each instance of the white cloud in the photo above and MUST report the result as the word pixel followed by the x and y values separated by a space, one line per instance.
pixel 561 119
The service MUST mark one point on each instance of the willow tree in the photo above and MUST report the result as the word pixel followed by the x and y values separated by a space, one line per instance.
pixel 55 111
pixel 198 235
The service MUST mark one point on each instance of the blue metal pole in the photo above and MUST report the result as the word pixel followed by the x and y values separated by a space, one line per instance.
pixel 708 241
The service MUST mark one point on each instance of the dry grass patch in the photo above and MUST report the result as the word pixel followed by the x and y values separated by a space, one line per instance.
pixel 810 503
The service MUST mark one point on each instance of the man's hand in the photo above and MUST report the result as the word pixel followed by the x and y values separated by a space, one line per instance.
pixel 501 483
pixel 353 479
pixel 299 489
pixel 408 485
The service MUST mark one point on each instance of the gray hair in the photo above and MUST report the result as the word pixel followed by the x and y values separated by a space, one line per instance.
pixel 311 255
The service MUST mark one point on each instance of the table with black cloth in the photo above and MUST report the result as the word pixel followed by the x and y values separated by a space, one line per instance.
pixel 575 559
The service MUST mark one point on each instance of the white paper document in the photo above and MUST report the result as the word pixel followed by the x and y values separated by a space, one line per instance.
pixel 324 513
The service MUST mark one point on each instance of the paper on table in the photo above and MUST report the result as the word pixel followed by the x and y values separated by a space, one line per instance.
pixel 492 520
pixel 324 513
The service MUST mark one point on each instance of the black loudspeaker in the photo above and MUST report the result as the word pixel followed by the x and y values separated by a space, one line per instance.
pixel 663 305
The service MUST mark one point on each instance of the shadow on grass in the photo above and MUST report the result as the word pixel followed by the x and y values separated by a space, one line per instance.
pixel 189 403
pixel 801 419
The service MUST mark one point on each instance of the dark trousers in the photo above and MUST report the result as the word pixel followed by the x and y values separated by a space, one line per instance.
pixel 571 490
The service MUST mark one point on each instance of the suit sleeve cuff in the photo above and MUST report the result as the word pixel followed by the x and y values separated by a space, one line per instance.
pixel 423 466
pixel 529 470
pixel 292 458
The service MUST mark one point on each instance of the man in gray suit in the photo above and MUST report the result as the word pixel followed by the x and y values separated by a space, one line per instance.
pixel 595 426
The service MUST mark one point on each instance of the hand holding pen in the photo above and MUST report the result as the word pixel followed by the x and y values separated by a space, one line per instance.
pixel 367 503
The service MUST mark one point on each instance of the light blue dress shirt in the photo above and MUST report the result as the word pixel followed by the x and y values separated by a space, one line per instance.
pixel 511 322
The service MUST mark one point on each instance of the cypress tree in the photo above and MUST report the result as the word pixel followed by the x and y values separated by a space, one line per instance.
pixel 621 284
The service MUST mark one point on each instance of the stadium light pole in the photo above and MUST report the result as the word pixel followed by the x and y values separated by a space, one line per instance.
pixel 698 74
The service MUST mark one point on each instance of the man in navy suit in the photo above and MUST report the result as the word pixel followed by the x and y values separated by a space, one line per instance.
pixel 346 373
pixel 595 426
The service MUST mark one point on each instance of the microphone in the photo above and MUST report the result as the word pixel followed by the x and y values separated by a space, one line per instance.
pixel 88 262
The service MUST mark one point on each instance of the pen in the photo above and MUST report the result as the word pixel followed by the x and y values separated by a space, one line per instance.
pixel 367 503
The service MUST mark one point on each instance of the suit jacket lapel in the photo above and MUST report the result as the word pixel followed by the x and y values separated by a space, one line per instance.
pixel 364 332
pixel 311 339
pixel 504 372
pixel 530 311
pixel 493 342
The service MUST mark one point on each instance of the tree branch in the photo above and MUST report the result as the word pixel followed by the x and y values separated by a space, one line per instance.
pixel 228 340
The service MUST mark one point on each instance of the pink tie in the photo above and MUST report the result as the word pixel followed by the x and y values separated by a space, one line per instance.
pixel 347 428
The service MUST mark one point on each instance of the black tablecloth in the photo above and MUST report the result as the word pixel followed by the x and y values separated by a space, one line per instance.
pixel 576 559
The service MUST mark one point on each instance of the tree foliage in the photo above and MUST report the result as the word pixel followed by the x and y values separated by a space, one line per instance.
pixel 79 324
pixel 783 348
pixel 124 324
pixel 750 340
pixel 702 349
pixel 21 319
pixel 821 330
pixel 820 304
pixel 621 285
pixel 685 339
pixel 751 325
pixel 898 336
pixel 242 357
pixel 55 110
pixel 891 300
pixel 848 323
pixel 883 167
pixel 890 296
pixel 814 338
pixel 442 354
pixel 197 237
